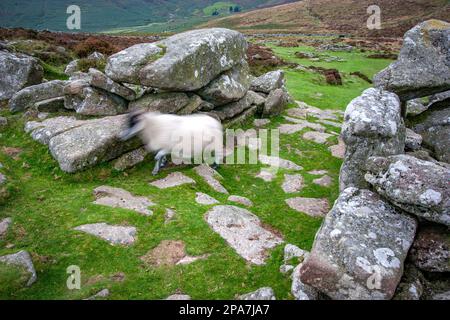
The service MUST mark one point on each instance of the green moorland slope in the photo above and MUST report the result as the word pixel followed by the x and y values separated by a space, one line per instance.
pixel 46 204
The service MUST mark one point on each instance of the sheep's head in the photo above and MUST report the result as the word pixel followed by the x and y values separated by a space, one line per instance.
pixel 134 125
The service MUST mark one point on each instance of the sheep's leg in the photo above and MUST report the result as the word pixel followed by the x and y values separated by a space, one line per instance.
pixel 159 160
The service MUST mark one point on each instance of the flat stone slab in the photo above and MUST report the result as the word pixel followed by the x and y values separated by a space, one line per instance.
pixel 4 226
pixel 115 235
pixel 243 231
pixel 325 181
pixel 338 150
pixel 203 198
pixel 259 295
pixel 169 215
pixel 182 297
pixel 266 175
pixel 317 137
pixel 120 198
pixel 299 125
pixel 211 177
pixel 174 179
pixel 241 200
pixel 292 183
pixel 102 294
pixel 130 159
pixel 21 259
pixel 169 253
pixel 258 123
pixel 318 172
pixel 311 206
pixel 279 162
pixel 359 251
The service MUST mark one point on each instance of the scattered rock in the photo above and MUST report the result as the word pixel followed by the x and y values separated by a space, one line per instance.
pixel 28 97
pixel 3 122
pixel 338 150
pixel 442 296
pixel 169 253
pixel 99 295
pixel 276 102
pixel 292 183
pixel 233 109
pixel 336 47
pixel 166 102
pixel 119 198
pixel 18 71
pixel 115 235
pixel 415 107
pixel 423 65
pixel 259 123
pixel 241 200
pixel 3 179
pixel 266 175
pixel 373 127
pixel 99 80
pixel 317 137
pixel 325 181
pixel 174 179
pixel 413 140
pixel 202 198
pixel 4 226
pixel 260 294
pixel 431 249
pixel 278 162
pixel 130 159
pixel 318 172
pixel 183 297
pixel 268 82
pixel 211 177
pixel 311 206
pixel 373 239
pixel 21 259
pixel 169 215
pixel 416 186
pixel 243 232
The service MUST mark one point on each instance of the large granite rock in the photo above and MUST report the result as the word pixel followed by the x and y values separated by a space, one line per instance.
pixel 18 71
pixel 28 97
pixel 359 251
pixel 243 231
pixel 268 82
pixel 434 127
pixel 165 102
pixel 229 87
pixel 416 186
pixel 193 59
pixel 90 101
pixel 423 65
pixel 99 80
pixel 233 109
pixel 373 126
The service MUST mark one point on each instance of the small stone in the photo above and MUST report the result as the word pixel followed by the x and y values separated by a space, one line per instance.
pixel 338 150
pixel 259 123
pixel 3 179
pixel 268 82
pixel 317 137
pixel 241 200
pixel 169 253
pixel 325 181
pixel 183 297
pixel 279 162
pixel 211 177
pixel 21 259
pixel 311 206
pixel 204 199
pixel 266 175
pixel 130 159
pixel 318 172
pixel 120 198
pixel 102 294
pixel 260 294
pixel 292 183
pixel 174 179
pixel 3 122
pixel 169 215
pixel 413 140
pixel 115 235
pixel 4 224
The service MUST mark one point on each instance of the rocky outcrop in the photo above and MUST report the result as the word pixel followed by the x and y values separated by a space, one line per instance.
pixel 372 127
pixel 374 240
pixel 18 71
pixel 29 96
pixel 268 82
pixel 115 235
pixel 276 102
pixel 423 65
pixel 416 186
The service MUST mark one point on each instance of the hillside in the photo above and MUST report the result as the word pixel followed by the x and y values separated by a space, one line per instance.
pixel 111 14
pixel 345 16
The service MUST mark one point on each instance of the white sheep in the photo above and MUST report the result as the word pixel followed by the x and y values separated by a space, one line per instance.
pixel 183 137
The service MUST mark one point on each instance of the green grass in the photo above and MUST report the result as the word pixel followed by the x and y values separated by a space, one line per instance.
pixel 221 7
pixel 46 204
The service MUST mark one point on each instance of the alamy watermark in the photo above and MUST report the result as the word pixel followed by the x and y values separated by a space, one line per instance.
pixel 73 22
pixel 374 20
pixel 74 280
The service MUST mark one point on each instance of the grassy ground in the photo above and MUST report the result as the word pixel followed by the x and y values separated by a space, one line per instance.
pixel 46 204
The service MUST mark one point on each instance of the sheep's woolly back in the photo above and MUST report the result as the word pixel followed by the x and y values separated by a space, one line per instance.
pixel 164 131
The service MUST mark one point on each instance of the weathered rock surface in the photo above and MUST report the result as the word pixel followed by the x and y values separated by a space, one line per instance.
pixel 18 71
pixel 204 199
pixel 93 142
pixel 431 249
pixel 115 235
pixel 299 290
pixel 311 206
pixel 299 125
pixel 416 186
pixel 4 225
pixel 317 137
pixel 174 179
pixel 268 82
pixel 90 101
pixel 183 297
pixel 241 200
pixel 229 87
pixel 21 259
pixel 166 102
pixel 423 65
pixel 373 127
pixel 243 232
pixel 3 122
pixel 120 198
pixel 169 253
pixel 259 123
pixel 99 80
pixel 415 107
pixel 278 162
pixel 265 293
pixel 360 249
pixel 411 287
pixel 102 294
pixel 26 98
pixel 266 175
pixel 211 177
pixel 325 181
pixel 130 159
pixel 233 109
pixel 47 129
pixel 292 183
pixel 276 102
pixel 413 140
pixel 50 105
pixel 192 59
